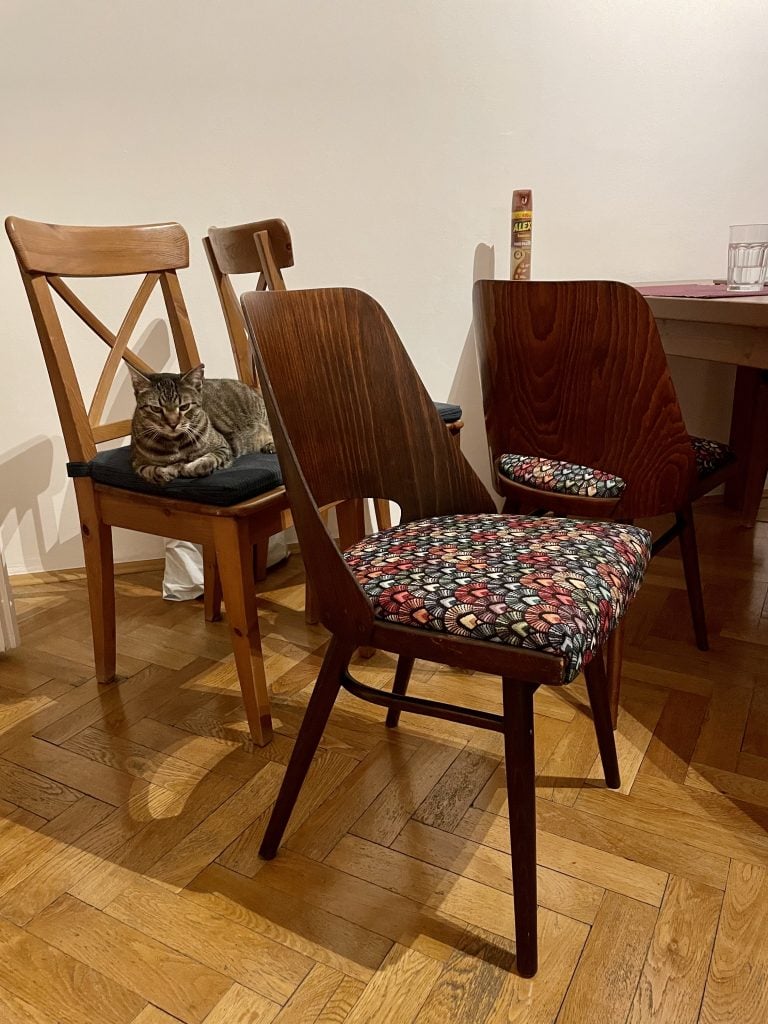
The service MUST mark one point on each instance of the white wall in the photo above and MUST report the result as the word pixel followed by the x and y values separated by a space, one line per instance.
pixel 390 136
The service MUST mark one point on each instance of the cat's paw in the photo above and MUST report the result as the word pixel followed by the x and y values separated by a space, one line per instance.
pixel 269 448
pixel 157 475
pixel 203 466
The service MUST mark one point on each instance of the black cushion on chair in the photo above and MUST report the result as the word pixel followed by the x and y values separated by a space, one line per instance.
pixel 448 413
pixel 247 477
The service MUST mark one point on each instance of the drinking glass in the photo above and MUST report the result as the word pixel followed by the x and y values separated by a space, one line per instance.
pixel 747 257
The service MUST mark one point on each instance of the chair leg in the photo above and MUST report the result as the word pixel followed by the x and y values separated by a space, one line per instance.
pixel 100 573
pixel 234 553
pixel 599 701
pixel 690 553
pixel 521 791
pixel 400 685
pixel 319 708
pixel 260 554
pixel 211 584
pixel 383 514
pixel 614 656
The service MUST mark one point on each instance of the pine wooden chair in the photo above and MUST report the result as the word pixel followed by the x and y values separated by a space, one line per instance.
pixel 265 248
pixel 470 588
pixel 228 513
pixel 582 416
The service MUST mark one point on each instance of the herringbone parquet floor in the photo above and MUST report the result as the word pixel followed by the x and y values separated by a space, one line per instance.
pixel 130 888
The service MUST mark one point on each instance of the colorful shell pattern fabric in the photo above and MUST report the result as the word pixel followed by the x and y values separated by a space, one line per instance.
pixel 553 585
pixel 561 477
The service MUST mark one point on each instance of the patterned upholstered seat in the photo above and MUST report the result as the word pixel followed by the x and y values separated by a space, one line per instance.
pixel 710 455
pixel 583 481
pixel 553 585
pixel 562 477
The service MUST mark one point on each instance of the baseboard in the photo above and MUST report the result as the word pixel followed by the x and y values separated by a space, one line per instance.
pixel 69 575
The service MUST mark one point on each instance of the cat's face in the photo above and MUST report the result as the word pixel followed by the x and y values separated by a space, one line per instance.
pixel 169 403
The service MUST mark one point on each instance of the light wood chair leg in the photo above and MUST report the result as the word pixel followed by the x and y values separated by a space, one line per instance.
pixel 100 572
pixel 260 555
pixel 211 584
pixel 614 656
pixel 234 553
pixel 599 701
pixel 319 708
pixel 690 553
pixel 521 791
pixel 383 513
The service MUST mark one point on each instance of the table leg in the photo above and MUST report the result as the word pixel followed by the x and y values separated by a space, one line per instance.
pixel 749 439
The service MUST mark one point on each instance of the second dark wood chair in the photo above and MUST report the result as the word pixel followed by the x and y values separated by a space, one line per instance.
pixel 582 416
pixel 531 600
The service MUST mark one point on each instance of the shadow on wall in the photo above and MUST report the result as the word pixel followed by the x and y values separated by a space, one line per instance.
pixel 465 389
pixel 32 475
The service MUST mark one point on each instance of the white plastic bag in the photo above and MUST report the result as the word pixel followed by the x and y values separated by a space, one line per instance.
pixel 183 577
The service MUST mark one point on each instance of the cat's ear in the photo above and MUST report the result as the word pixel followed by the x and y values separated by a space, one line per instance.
pixel 139 381
pixel 194 377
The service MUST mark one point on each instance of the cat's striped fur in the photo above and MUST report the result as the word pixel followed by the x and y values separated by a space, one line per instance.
pixel 187 426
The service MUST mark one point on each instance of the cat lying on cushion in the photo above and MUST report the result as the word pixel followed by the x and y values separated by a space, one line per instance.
pixel 187 426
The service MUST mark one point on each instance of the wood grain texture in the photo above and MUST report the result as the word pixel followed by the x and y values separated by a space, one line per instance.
pixel 672 982
pixel 737 986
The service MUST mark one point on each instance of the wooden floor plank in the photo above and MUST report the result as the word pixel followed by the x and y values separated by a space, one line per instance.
pixel 675 971
pixel 605 980
pixel 173 982
pixel 737 986
pixel 217 942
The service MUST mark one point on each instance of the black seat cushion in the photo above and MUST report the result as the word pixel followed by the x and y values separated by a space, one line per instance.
pixel 448 413
pixel 247 477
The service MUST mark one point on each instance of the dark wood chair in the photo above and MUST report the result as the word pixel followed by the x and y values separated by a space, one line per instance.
pixel 520 598
pixel 265 248
pixel 229 513
pixel 582 416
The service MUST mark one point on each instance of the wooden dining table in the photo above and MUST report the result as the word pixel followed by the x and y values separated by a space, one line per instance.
pixel 728 330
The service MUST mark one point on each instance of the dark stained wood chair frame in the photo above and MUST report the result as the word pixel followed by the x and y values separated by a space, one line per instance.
pixel 340 344
pixel 48 253
pixel 575 370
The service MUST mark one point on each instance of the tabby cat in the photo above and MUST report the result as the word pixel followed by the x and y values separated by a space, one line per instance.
pixel 187 426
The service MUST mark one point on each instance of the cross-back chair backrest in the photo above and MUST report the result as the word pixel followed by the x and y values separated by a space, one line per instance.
pixel 261 247
pixel 46 254
pixel 351 419
pixel 575 370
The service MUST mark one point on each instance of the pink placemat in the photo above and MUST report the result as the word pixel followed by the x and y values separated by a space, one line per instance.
pixel 695 291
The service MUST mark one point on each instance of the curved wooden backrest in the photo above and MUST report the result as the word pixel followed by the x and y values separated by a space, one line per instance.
pixel 261 247
pixel 45 252
pixel 575 370
pixel 97 252
pixel 351 419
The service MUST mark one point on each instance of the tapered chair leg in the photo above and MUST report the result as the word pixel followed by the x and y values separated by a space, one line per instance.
pixel 260 555
pixel 400 685
pixel 690 554
pixel 521 791
pixel 599 701
pixel 100 572
pixel 319 708
pixel 234 553
pixel 614 656
pixel 211 584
